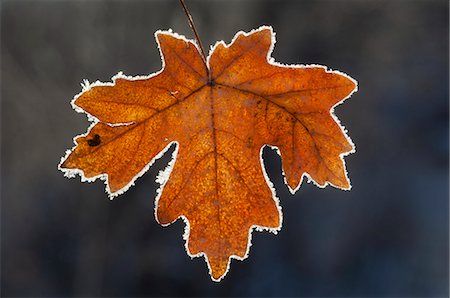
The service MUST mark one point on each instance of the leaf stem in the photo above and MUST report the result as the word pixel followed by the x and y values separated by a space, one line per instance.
pixel 191 24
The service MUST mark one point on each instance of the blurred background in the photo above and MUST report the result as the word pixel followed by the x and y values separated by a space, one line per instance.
pixel 388 236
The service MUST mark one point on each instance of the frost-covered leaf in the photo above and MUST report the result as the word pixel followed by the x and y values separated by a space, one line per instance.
pixel 220 115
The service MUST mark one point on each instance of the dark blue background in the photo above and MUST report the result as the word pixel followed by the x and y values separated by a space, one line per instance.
pixel 388 236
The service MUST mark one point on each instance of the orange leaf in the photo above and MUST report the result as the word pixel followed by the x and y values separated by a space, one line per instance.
pixel 220 115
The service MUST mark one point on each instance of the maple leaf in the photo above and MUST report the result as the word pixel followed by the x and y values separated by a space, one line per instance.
pixel 220 114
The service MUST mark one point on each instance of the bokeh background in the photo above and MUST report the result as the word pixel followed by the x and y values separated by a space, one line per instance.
pixel 388 236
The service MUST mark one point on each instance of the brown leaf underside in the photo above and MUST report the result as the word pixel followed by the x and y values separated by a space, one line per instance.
pixel 217 182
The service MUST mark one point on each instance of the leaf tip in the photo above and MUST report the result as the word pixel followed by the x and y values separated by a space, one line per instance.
pixel 218 267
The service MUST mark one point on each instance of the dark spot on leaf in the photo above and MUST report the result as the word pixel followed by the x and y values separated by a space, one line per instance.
pixel 249 142
pixel 95 141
